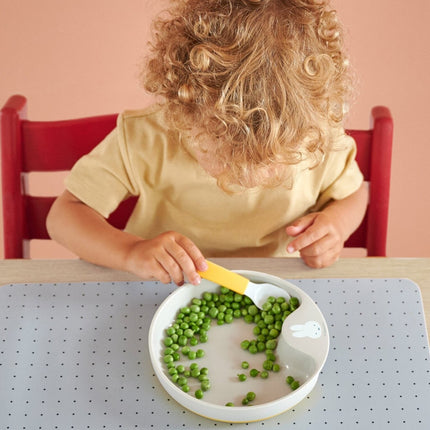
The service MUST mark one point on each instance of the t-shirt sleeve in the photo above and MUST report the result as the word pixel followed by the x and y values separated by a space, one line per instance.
pixel 342 175
pixel 102 178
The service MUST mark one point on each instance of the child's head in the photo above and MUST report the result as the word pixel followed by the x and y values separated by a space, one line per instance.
pixel 261 78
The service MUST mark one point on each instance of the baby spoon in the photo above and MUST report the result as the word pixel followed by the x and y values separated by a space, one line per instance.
pixel 258 293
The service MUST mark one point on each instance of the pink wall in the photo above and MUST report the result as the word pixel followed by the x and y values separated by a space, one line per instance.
pixel 78 58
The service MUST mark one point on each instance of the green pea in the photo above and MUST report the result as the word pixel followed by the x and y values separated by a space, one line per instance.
pixel 270 355
pixel 245 365
pixel 274 333
pixel 195 373
pixel 213 312
pixel 245 401
pixel 192 355
pixel 205 385
pixel 180 368
pixel 267 306
pixel 185 388
pixel 222 308
pixel 228 318
pixel 261 346
pixel 264 374
pixel 245 344
pixel 271 344
pixel 248 319
pixel 168 341
pixel 294 385
pixel 182 341
pixel 185 310
pixel 173 371
pixel 241 377
pixel 254 372
pixel 276 308
pixel 294 303
pixel 207 296
pixel 170 331
pixel 253 349
pixel 199 394
pixel 168 358
pixel 253 310
pixel 185 350
pixel 189 333
pixel 229 404
pixel 168 351
pixel 289 380
pixel 276 367
pixel 269 319
pixel 225 290
pixel 268 365
pixel 200 353
pixel 250 396
pixel 182 380
pixel 195 308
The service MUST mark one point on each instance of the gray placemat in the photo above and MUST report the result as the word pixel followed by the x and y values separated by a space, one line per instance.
pixel 74 356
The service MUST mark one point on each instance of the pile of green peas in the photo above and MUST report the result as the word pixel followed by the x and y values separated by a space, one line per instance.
pixel 192 323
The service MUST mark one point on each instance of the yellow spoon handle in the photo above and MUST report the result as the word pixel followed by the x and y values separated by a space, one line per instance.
pixel 225 278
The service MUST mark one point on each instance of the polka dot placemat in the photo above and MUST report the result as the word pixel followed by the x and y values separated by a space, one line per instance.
pixel 75 356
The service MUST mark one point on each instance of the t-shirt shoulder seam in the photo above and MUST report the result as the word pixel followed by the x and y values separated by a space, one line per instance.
pixel 141 113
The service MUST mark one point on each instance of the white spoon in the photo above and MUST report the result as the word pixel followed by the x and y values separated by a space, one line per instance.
pixel 259 293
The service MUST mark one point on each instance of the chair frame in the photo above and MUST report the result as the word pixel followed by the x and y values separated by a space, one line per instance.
pixel 22 138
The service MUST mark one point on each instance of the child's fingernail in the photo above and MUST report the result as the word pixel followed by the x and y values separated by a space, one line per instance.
pixel 196 280
pixel 290 249
pixel 203 266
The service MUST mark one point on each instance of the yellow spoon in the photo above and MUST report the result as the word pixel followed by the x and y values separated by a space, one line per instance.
pixel 259 293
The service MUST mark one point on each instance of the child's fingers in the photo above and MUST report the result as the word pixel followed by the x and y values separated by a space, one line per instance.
pixel 322 260
pixel 310 236
pixel 300 225
pixel 188 259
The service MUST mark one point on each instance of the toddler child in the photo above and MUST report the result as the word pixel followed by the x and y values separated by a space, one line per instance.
pixel 244 155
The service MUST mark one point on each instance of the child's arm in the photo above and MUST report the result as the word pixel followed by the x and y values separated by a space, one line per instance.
pixel 167 257
pixel 320 236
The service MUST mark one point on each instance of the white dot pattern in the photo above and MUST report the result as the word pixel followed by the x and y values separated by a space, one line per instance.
pixel 75 356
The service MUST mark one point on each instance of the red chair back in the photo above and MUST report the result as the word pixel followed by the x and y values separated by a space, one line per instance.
pixel 38 146
pixel 374 148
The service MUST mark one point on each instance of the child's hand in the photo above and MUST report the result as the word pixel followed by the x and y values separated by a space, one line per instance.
pixel 167 257
pixel 318 238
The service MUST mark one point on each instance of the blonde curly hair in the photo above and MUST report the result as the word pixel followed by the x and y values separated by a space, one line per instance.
pixel 263 79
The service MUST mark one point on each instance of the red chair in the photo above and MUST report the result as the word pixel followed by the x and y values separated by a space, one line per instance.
pixel 35 146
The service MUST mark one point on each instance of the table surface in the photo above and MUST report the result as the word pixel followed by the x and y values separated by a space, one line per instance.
pixel 389 388
pixel 415 269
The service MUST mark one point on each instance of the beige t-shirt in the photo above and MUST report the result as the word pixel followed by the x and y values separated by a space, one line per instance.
pixel 141 158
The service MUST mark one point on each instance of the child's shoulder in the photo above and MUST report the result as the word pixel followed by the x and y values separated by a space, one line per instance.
pixel 151 115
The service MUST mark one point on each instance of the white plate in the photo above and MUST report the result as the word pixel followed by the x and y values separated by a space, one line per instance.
pixel 301 355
